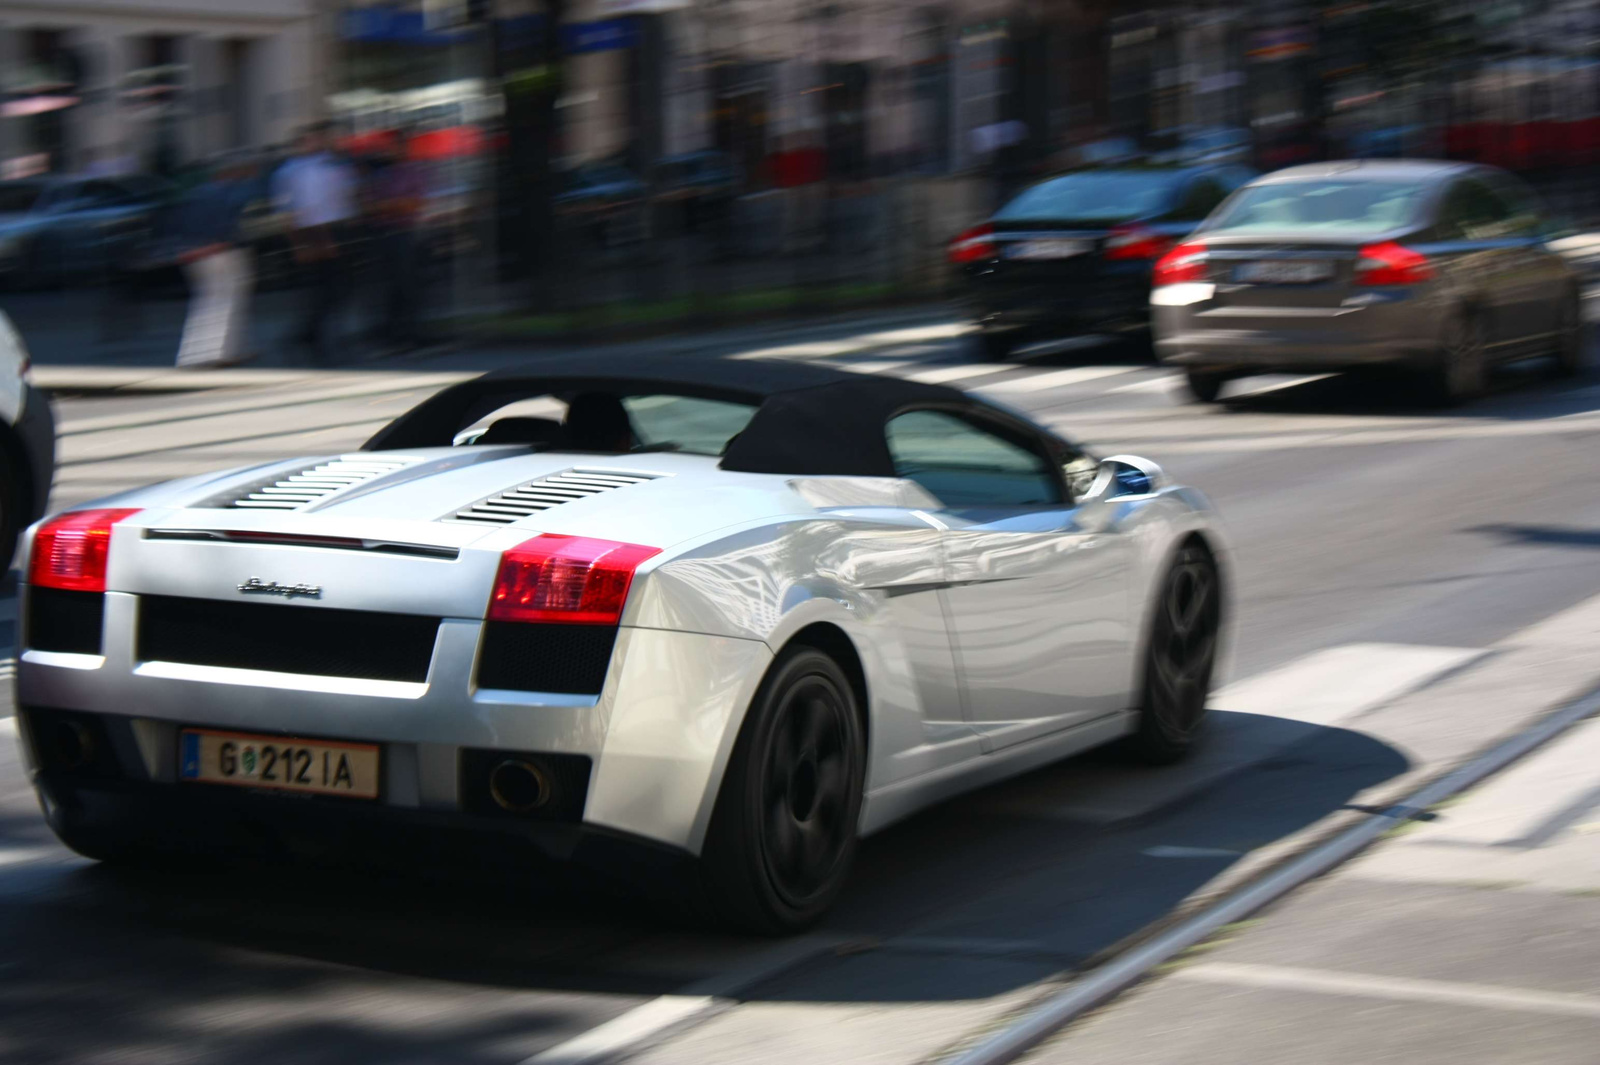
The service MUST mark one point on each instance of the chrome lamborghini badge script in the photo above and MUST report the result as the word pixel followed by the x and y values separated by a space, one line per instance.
pixel 257 586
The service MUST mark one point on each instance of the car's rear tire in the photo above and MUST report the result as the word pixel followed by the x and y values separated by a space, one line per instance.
pixel 1460 369
pixel 1569 337
pixel 1204 386
pixel 13 507
pixel 1180 656
pixel 783 833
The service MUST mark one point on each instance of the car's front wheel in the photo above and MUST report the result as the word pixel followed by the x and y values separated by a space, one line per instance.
pixel 1180 657
pixel 783 834
pixel 1204 386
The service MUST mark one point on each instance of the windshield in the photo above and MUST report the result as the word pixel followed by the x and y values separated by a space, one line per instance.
pixel 1328 205
pixel 16 199
pixel 1109 196
pixel 655 422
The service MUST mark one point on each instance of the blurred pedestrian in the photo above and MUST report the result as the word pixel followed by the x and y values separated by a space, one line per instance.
pixel 218 265
pixel 318 188
pixel 395 195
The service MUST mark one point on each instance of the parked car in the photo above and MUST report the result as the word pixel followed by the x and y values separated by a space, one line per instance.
pixel 1072 255
pixel 27 443
pixel 54 230
pixel 1439 268
pixel 608 200
pixel 702 184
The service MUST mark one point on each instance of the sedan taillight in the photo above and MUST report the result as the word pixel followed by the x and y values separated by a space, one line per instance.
pixel 575 580
pixel 70 551
pixel 1185 263
pixel 1392 264
pixel 1135 242
pixel 975 245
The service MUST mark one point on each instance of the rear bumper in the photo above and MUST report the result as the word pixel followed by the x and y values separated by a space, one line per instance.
pixel 1388 330
pixel 205 821
pixel 657 736
pixel 1094 306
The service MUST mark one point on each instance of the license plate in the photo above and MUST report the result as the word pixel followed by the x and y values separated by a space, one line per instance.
pixel 284 763
pixel 1046 249
pixel 1282 273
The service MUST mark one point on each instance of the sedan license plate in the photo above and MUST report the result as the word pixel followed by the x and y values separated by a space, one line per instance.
pixel 287 764
pixel 1046 249
pixel 1282 272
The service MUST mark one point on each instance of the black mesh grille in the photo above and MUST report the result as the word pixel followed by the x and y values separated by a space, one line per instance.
pixel 286 639
pixel 571 659
pixel 65 621
pixel 565 775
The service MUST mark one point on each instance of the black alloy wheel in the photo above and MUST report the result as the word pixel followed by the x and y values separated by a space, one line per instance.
pixel 1204 386
pixel 784 832
pixel 1179 658
pixel 1569 336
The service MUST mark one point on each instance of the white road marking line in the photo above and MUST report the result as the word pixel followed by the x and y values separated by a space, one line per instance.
pixel 1336 684
pixel 1072 376
pixel 1404 989
pixel 876 367
pixel 1251 720
pixel 1163 383
pixel 944 374
pixel 8 726
pixel 1293 382
pixel 652 1020
pixel 1106 982
pixel 621 1033
pixel 1189 852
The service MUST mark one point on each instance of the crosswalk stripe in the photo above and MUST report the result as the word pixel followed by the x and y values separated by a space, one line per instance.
pixel 1251 720
pixel 939 375
pixel 1057 379
pixel 1163 383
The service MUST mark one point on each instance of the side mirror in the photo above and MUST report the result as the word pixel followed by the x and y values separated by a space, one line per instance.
pixel 1123 476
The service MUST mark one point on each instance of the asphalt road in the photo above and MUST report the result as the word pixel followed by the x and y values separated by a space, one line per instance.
pixel 1399 541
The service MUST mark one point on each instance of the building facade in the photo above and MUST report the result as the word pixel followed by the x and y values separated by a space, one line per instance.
pixel 149 85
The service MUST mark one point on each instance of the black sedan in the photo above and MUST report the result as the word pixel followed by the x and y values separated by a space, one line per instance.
pixel 1072 255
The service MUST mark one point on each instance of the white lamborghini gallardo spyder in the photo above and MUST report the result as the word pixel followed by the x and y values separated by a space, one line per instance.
pixel 706 622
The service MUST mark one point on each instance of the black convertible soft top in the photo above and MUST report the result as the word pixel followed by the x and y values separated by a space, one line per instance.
pixel 810 420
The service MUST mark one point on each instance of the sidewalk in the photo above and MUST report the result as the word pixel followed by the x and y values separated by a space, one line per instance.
pixel 1472 938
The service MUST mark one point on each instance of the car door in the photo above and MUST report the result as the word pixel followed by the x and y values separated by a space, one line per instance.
pixel 1477 241
pixel 1542 280
pixel 1035 597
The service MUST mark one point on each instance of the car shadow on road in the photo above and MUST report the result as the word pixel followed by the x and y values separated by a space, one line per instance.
pixel 977 897
pixel 1522 391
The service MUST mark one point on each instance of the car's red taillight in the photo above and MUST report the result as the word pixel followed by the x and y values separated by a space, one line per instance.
pixel 574 580
pixel 71 549
pixel 975 244
pixel 1392 264
pixel 1135 242
pixel 1186 262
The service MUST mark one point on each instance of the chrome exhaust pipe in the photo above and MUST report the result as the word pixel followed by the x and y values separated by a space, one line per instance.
pixel 518 787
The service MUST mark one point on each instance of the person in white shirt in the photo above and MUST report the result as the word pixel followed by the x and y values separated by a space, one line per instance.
pixel 319 191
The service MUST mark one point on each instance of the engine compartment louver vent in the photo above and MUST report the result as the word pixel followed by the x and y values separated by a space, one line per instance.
pixel 546 492
pixel 300 490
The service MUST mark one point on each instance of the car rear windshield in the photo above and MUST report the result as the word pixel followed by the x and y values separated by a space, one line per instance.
pixel 1323 206
pixel 1105 196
